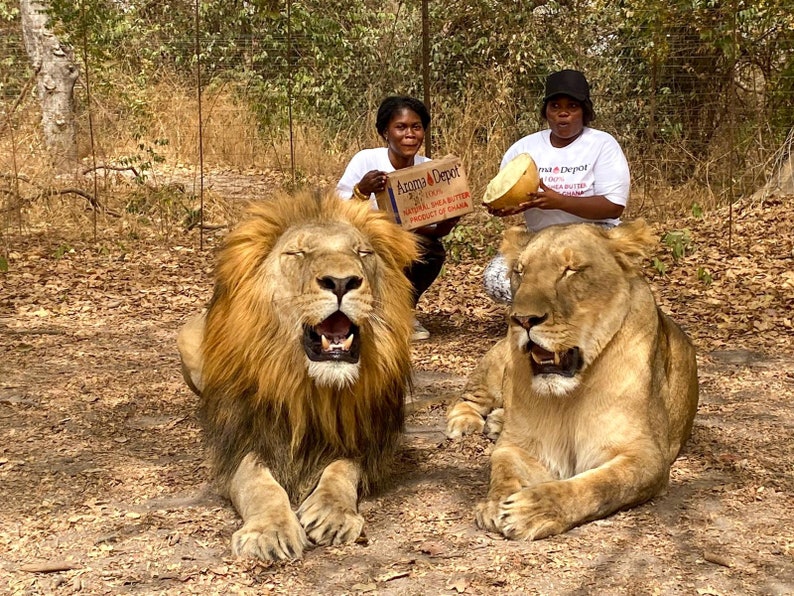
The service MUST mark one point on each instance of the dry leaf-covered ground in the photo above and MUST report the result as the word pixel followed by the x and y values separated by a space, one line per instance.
pixel 103 485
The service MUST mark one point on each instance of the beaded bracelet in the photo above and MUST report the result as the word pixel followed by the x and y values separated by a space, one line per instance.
pixel 359 195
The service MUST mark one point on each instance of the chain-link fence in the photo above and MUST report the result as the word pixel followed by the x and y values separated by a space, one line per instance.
pixel 700 98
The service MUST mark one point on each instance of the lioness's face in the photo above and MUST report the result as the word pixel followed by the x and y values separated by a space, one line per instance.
pixel 323 287
pixel 570 296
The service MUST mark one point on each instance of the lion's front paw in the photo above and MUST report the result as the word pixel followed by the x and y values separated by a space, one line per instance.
pixel 463 419
pixel 532 514
pixel 264 537
pixel 329 521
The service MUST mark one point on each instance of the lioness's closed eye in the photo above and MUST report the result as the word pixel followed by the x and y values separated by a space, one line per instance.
pixel 599 386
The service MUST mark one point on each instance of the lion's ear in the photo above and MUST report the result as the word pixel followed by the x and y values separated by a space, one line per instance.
pixel 514 241
pixel 631 242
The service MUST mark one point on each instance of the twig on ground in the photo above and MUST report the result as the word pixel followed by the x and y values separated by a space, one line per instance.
pixel 48 192
pixel 47 567
pixel 113 168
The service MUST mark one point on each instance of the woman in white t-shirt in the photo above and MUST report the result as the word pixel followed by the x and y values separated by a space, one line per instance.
pixel 584 174
pixel 402 122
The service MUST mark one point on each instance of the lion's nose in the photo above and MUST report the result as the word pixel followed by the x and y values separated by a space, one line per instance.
pixel 527 321
pixel 339 285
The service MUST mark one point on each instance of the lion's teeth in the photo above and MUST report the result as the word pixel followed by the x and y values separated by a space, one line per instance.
pixel 546 361
pixel 336 345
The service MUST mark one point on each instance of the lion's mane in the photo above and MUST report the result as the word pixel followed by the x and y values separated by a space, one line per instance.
pixel 258 395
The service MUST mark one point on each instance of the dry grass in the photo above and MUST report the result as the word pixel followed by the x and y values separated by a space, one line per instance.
pixel 479 130
pixel 156 133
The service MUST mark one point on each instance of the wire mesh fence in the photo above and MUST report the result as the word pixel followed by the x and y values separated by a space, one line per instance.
pixel 700 100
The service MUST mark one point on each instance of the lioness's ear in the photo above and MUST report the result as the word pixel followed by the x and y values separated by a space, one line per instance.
pixel 514 241
pixel 631 242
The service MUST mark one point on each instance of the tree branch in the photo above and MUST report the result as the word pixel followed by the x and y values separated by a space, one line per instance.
pixel 112 167
pixel 49 192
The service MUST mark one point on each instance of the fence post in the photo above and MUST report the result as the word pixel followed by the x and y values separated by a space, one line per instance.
pixel 200 130
pixel 426 72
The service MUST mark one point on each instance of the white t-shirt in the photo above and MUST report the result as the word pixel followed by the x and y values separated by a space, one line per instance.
pixel 593 164
pixel 363 162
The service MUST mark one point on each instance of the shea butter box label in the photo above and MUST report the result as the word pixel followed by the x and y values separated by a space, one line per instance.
pixel 427 193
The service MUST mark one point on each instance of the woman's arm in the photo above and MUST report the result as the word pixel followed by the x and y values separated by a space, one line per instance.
pixel 592 207
pixel 358 170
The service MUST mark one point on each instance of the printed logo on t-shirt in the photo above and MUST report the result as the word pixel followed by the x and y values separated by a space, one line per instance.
pixel 574 181
pixel 564 169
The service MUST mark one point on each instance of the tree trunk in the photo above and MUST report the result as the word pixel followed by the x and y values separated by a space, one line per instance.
pixel 56 74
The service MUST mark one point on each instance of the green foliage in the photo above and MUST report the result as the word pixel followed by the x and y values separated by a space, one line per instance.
pixel 3 264
pixel 692 63
pixel 192 217
pixel 659 265
pixel 664 75
pixel 467 241
pixel 144 160
pixel 13 67
pixel 679 242
pixel 697 210
pixel 165 207
pixel 704 275
pixel 8 12
pixel 62 250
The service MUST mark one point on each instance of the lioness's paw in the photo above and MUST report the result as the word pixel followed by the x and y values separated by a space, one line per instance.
pixel 494 424
pixel 487 515
pixel 531 514
pixel 327 521
pixel 268 539
pixel 462 419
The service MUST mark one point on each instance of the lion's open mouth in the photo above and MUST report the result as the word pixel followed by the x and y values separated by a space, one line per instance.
pixel 335 339
pixel 544 362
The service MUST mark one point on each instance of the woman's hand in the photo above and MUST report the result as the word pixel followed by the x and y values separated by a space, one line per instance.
pixel 547 199
pixel 506 211
pixel 372 181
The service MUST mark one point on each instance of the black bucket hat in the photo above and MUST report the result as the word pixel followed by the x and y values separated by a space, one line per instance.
pixel 567 82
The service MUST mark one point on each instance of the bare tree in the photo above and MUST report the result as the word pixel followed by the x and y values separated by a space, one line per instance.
pixel 56 74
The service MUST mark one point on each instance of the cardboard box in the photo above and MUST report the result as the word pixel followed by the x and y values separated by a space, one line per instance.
pixel 427 193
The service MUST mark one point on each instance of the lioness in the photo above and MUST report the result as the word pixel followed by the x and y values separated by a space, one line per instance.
pixel 302 363
pixel 599 386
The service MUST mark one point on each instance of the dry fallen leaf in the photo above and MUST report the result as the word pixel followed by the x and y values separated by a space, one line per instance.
pixel 459 584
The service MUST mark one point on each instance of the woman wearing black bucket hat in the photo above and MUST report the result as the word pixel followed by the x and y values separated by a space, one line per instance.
pixel 584 176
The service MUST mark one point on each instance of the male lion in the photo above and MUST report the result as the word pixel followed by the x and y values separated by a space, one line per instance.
pixel 302 362
pixel 599 387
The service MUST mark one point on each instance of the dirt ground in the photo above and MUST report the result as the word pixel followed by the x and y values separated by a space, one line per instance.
pixel 104 487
